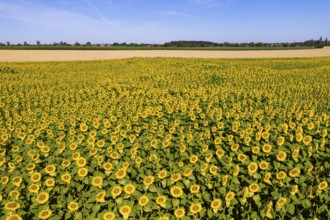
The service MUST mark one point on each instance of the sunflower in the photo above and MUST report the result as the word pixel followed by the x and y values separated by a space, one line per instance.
pixel 100 196
pixel 299 137
pixel 161 200
pixel 66 163
pixel 50 182
pixel 263 165
pixel 34 188
pixel 125 211
pixel 76 156
pixel 143 201
pixel 220 153
pixel 50 169
pixel 194 189
pixel 73 206
pixel 4 180
pixel 195 208
pixel 254 187
pixel 255 150
pixel 109 216
pixel 241 157
pixel 148 180
pixel 83 127
pixel 97 181
pixel 294 190
pixel 121 173
pixel 204 167
pixel 265 135
pixel 14 193
pixel 280 141
pixel 81 162
pixel 17 180
pixel 13 217
pixel 213 170
pixel 129 189
pixel 44 214
pixel 193 159
pixel 116 191
pixel 42 197
pixel 175 177
pixel 294 172
pixel 66 177
pixel 163 218
pixel 179 212
pixel 322 185
pixel 176 191
pixel 280 175
pixel 253 167
pixel 267 148
pixel 234 147
pixel 82 172
pixel 229 196
pixel 307 139
pixel 216 204
pixel 281 156
pixel 162 174
pixel 280 202
pixel 12 206
pixel 236 170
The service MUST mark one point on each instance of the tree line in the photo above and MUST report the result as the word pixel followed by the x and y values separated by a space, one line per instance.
pixel 184 43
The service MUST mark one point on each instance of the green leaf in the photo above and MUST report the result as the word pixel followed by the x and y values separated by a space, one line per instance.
pixel 153 188
pixel 291 208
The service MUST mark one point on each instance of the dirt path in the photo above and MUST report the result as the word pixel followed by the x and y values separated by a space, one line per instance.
pixel 65 55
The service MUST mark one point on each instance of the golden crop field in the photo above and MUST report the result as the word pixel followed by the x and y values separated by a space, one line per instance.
pixel 165 138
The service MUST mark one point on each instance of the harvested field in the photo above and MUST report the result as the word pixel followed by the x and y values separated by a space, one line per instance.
pixel 67 55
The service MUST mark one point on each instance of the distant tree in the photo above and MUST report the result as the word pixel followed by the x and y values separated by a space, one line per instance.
pixel 38 42
pixel 77 44
pixel 25 43
pixel 88 44
pixel 326 41
pixel 8 43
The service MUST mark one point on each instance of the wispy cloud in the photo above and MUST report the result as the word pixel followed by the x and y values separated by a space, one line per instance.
pixel 211 3
pixel 178 13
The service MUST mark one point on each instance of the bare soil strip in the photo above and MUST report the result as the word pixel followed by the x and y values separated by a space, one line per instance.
pixel 67 55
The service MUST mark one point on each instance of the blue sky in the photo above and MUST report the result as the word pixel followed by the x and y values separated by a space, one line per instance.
pixel 159 21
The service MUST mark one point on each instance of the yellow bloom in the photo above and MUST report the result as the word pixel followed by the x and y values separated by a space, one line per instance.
pixel 12 206
pixel 179 212
pixel 281 156
pixel 50 169
pixel 294 190
pixel 116 191
pixel 129 189
pixel 280 202
pixel 294 172
pixel 253 167
pixel 125 211
pixel 161 200
pixel 100 196
pixel 121 173
pixel 42 197
pixel 13 217
pixel 193 159
pixel 34 188
pixel 216 204
pixel 81 162
pixel 263 165
pixel 213 170
pixel 267 148
pixel 143 201
pixel 66 177
pixel 195 208
pixel 229 196
pixel 36 177
pixel 109 216
pixel 254 187
pixel 17 180
pixel 73 206
pixel 44 214
pixel 162 174
pixel 175 177
pixel 194 188
pixel 176 191
pixel 82 172
pixel 97 181
pixel 50 182
pixel 148 180
pixel 280 175
pixel 323 185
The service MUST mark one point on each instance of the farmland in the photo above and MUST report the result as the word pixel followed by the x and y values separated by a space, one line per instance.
pixel 165 138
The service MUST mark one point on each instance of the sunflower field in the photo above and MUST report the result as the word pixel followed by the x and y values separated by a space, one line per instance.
pixel 165 138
